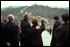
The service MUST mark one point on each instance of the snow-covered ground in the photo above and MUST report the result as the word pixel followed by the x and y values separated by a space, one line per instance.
pixel 46 38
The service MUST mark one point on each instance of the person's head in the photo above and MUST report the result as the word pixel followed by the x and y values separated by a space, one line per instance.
pixel 42 22
pixel 26 17
pixel 65 18
pixel 5 21
pixel 34 21
pixel 11 17
pixel 55 18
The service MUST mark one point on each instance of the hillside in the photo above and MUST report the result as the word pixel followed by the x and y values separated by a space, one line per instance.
pixel 37 10
pixel 42 12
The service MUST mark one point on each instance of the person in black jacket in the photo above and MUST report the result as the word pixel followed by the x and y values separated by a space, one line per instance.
pixel 56 25
pixel 1 34
pixel 10 32
pixel 25 28
pixel 42 25
pixel 62 33
pixel 36 33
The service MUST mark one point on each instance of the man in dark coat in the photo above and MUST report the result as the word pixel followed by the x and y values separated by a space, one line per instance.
pixel 1 34
pixel 62 33
pixel 25 28
pixel 56 25
pixel 10 32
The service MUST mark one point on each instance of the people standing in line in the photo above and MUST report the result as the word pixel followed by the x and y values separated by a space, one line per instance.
pixel 62 33
pixel 25 28
pixel 56 25
pixel 10 33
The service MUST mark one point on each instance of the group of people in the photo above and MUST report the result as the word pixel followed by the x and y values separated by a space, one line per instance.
pixel 28 35
pixel 60 34
pixel 25 33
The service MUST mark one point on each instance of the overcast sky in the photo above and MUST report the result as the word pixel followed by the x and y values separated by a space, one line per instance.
pixel 61 4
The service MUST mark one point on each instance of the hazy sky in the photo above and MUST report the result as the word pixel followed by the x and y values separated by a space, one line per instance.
pixel 61 4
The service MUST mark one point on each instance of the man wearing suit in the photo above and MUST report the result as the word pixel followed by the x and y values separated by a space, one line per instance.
pixel 62 33
pixel 56 25
pixel 26 29
pixel 1 33
pixel 10 32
